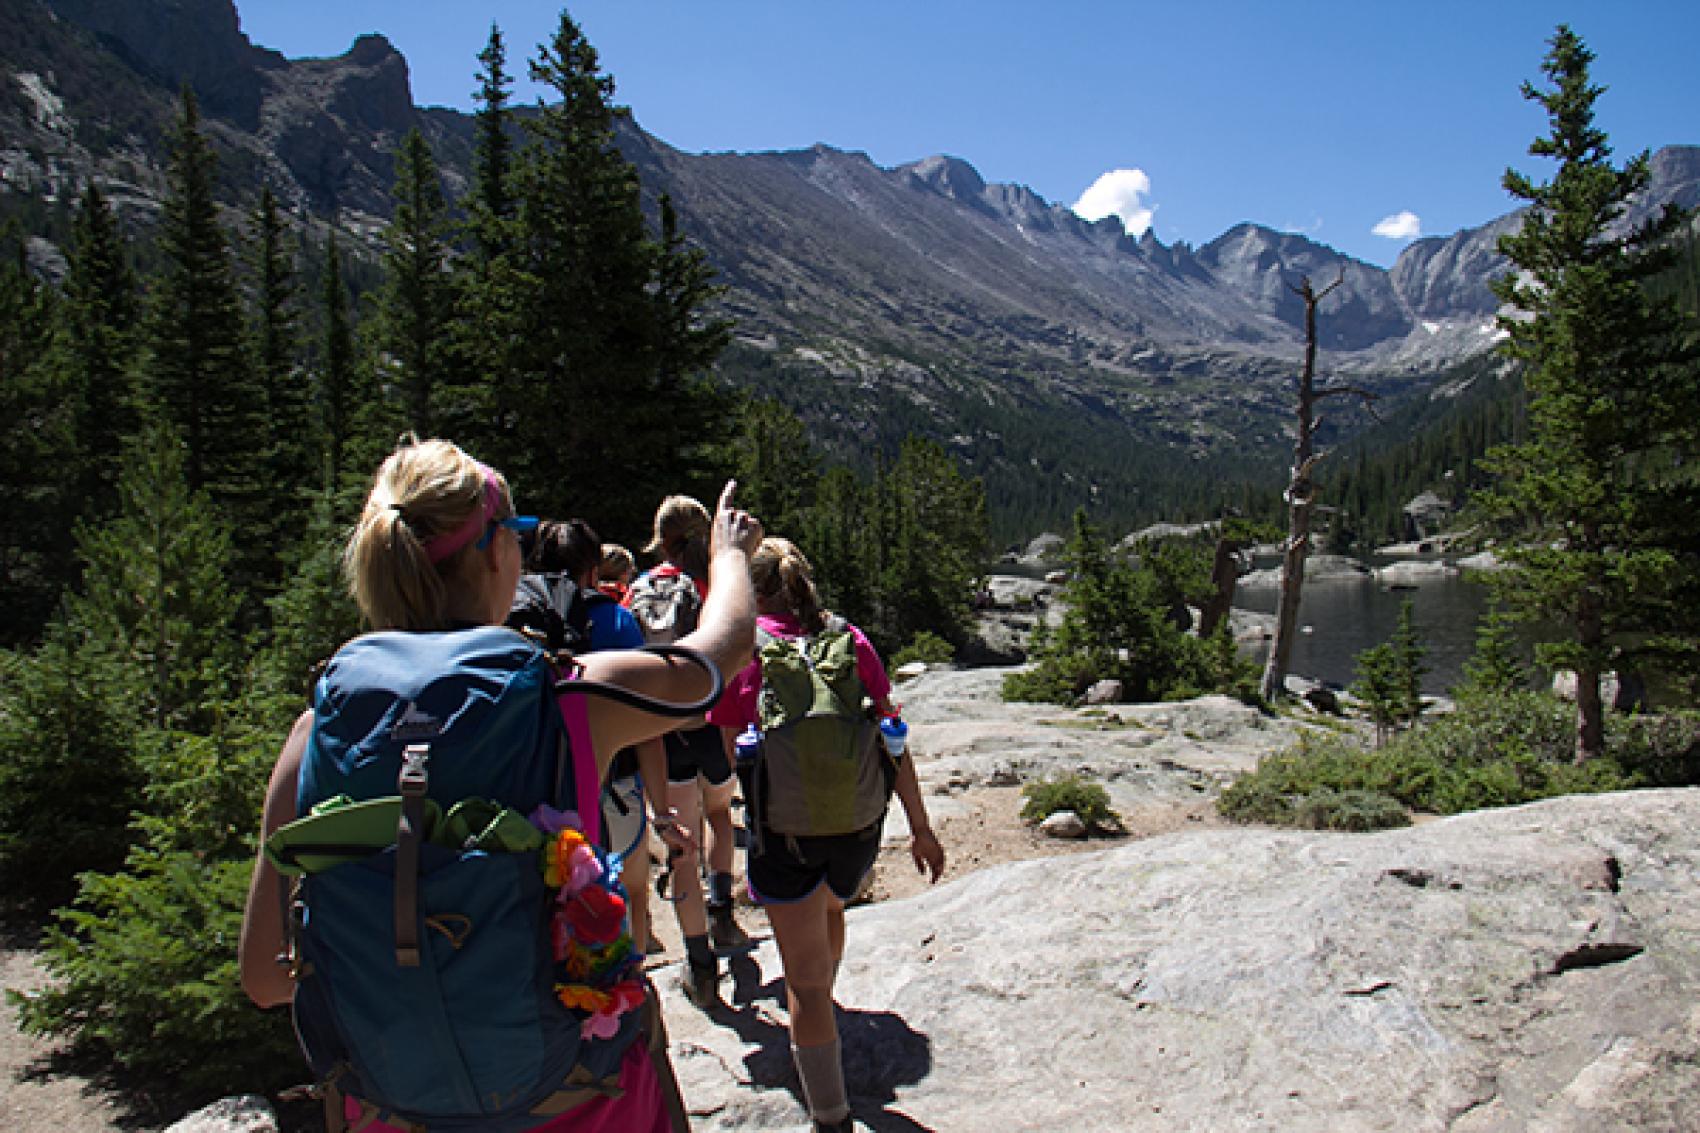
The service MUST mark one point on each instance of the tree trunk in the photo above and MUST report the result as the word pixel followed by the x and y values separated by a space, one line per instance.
pixel 1590 711
pixel 1292 579
pixel 1299 497
pixel 1224 573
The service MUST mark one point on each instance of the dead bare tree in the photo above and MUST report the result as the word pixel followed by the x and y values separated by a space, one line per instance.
pixel 1301 492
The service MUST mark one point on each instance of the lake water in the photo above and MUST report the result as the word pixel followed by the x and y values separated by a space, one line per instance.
pixel 1339 619
pixel 1347 616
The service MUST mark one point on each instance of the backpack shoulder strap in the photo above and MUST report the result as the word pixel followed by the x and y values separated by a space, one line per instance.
pixel 587 781
pixel 567 597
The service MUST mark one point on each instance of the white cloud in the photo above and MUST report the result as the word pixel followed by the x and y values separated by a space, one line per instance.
pixel 1405 225
pixel 1120 193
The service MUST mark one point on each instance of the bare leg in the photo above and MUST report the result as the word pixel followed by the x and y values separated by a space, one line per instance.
pixel 808 951
pixel 688 904
pixel 717 810
pixel 805 931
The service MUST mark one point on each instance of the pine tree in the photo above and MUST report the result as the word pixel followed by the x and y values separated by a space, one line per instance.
pixel 488 287
pixel 579 294
pixel 586 371
pixel 1496 667
pixel 684 286
pixel 338 394
pixel 314 613
pixel 490 204
pixel 1390 677
pixel 1603 539
pixel 37 444
pixel 100 315
pixel 416 302
pixel 291 456
pixel 776 466
pixel 1409 655
pixel 157 590
pixel 679 411
pixel 837 538
pixel 69 777
pixel 933 540
pixel 201 377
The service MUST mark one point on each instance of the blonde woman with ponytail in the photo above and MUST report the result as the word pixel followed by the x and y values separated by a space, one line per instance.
pixel 804 883
pixel 437 550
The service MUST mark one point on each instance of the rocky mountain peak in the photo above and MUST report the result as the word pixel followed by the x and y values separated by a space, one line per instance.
pixel 198 42
pixel 1675 176
pixel 950 176
pixel 371 50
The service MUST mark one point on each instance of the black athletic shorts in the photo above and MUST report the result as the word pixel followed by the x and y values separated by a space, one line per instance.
pixel 697 752
pixel 789 869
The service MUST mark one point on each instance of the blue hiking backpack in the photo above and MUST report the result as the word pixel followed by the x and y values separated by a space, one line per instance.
pixel 433 923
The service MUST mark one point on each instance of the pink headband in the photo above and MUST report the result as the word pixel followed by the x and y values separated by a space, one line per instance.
pixel 440 547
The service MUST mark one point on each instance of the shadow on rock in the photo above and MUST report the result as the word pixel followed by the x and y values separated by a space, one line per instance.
pixel 881 1052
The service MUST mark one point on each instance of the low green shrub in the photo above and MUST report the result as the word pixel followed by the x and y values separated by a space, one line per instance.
pixel 1351 810
pixel 924 646
pixel 1053 680
pixel 1069 792
pixel 1500 750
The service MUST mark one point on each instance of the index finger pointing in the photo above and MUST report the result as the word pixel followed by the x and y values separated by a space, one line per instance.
pixel 726 495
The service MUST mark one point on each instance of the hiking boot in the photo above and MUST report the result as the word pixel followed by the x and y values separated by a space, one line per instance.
pixel 723 931
pixel 701 986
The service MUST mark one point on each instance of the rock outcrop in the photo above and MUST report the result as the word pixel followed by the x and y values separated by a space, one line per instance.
pixel 1411 573
pixel 1318 568
pixel 1531 968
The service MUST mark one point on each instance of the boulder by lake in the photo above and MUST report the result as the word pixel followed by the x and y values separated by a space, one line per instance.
pixel 1414 572
pixel 1318 568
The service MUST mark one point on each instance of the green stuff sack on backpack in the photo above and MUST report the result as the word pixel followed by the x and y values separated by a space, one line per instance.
pixel 822 769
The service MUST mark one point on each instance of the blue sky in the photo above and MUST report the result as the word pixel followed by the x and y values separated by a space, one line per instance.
pixel 1326 117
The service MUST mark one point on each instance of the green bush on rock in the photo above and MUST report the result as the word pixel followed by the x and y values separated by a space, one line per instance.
pixel 1502 750
pixel 1069 792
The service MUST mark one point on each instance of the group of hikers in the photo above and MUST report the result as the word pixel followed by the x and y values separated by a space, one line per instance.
pixel 452 889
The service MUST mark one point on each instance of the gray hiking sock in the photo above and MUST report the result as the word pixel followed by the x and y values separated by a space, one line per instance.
pixel 822 1071
pixel 699 953
pixel 720 890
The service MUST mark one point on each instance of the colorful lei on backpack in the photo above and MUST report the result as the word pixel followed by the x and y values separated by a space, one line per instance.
pixel 595 966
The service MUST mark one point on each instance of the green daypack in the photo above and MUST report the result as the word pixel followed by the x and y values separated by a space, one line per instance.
pixel 822 768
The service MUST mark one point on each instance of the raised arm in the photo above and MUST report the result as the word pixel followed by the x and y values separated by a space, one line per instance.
pixel 725 634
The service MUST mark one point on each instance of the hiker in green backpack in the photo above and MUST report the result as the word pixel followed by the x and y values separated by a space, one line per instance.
pixel 819 788
pixel 436 552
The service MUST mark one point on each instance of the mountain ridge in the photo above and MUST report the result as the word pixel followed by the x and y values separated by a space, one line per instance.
pixel 874 301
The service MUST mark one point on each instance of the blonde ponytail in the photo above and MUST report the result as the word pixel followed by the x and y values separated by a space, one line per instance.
pixel 424 491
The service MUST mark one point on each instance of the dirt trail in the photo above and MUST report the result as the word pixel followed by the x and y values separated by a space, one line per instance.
pixel 32 1100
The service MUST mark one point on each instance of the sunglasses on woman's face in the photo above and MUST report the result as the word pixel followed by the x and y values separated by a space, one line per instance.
pixel 520 525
